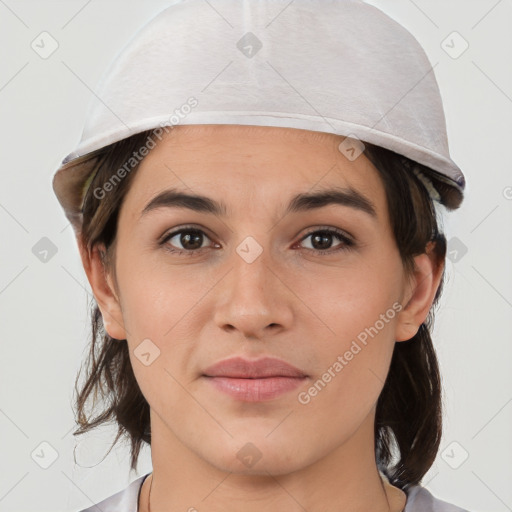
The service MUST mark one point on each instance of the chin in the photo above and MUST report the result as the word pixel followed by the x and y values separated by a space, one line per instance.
pixel 257 455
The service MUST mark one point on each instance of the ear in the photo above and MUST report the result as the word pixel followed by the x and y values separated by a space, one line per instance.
pixel 103 289
pixel 422 288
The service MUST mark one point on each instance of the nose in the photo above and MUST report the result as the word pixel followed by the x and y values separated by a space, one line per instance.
pixel 253 298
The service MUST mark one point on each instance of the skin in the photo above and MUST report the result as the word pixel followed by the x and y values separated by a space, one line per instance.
pixel 290 302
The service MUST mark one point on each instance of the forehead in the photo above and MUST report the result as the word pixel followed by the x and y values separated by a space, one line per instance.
pixel 239 164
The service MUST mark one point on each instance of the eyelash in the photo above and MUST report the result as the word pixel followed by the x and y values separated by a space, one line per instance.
pixel 347 243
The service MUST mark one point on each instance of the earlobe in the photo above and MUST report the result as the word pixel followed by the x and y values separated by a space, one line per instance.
pixel 421 292
pixel 104 291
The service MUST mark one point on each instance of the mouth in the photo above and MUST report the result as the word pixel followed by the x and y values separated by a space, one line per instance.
pixel 254 380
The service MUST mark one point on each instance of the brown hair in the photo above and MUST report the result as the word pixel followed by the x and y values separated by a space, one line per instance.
pixel 408 423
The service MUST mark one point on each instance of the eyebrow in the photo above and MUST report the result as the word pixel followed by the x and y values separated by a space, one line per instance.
pixel 173 198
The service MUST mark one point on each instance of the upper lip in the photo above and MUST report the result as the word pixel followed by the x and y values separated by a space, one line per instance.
pixel 238 367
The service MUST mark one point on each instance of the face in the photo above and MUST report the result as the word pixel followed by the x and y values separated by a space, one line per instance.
pixel 316 283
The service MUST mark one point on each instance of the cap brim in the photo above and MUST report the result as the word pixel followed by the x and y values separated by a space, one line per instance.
pixel 68 184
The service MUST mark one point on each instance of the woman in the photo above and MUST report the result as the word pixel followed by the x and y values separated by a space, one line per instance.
pixel 256 212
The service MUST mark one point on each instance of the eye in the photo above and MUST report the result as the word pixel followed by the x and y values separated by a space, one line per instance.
pixel 321 239
pixel 190 239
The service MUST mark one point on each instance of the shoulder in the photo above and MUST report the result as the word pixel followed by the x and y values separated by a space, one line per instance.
pixel 420 499
pixel 125 500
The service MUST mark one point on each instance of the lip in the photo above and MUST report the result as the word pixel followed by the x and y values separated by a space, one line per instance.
pixel 254 381
pixel 238 367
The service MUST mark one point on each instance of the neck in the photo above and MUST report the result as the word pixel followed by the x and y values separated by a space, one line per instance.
pixel 347 475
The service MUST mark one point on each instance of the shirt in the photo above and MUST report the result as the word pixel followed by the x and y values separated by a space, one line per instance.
pixel 419 499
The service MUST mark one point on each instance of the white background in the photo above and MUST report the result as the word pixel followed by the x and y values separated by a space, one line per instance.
pixel 44 325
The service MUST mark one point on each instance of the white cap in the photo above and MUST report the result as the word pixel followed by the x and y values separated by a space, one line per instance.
pixel 337 66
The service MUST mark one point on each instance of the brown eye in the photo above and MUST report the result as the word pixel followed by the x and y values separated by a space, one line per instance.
pixel 322 240
pixel 190 240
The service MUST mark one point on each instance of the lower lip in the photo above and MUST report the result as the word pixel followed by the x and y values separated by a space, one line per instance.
pixel 256 390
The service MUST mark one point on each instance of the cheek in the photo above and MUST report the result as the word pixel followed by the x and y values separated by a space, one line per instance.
pixel 163 316
pixel 353 324
pixel 351 366
pixel 346 300
pixel 155 296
